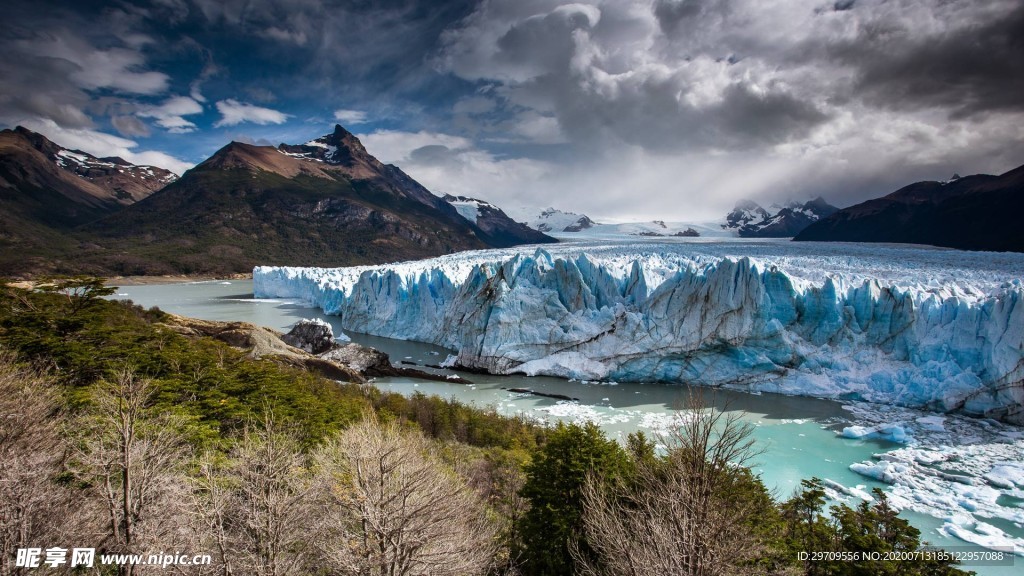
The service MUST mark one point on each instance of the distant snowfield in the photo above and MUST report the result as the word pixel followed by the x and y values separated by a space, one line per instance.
pixel 920 327
pixel 638 231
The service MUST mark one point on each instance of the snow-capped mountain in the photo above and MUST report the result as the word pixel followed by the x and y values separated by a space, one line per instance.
pixel 129 182
pixel 31 160
pixel 745 212
pixel 499 228
pixel 340 150
pixel 552 220
pixel 572 226
pixel 916 327
pixel 750 220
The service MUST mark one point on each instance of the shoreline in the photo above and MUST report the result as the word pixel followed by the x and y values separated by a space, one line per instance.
pixel 171 279
pixel 145 280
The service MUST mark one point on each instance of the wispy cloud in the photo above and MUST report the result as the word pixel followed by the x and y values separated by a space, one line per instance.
pixel 350 116
pixel 170 114
pixel 234 112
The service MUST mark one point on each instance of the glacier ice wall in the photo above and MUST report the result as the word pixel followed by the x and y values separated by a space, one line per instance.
pixel 709 320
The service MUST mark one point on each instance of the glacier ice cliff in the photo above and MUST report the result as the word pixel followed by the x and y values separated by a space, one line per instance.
pixel 934 329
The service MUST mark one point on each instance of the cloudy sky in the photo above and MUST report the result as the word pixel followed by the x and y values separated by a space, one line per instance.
pixel 623 109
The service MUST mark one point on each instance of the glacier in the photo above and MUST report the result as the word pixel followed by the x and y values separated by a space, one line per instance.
pixel 919 327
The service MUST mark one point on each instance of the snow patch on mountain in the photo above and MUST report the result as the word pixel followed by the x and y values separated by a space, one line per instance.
pixel 938 329
pixel 88 166
pixel 469 208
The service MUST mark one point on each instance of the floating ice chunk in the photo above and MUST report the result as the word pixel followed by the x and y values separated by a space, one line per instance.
pixel 1008 475
pixel 857 491
pixel 984 535
pixel 571 411
pixel 891 432
pixel 857 432
pixel 886 472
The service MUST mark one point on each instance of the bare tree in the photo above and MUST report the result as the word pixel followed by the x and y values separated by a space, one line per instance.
pixel 257 508
pixel 395 510
pixel 213 503
pixel 685 514
pixel 35 510
pixel 133 461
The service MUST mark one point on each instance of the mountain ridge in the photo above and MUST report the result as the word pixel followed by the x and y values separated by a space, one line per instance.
pixel 326 203
pixel 969 213
pixel 750 220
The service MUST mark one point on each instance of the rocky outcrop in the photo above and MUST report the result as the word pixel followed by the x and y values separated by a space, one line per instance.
pixel 312 335
pixel 262 342
pixel 347 362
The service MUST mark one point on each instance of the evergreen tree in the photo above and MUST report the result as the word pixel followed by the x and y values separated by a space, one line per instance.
pixel 554 486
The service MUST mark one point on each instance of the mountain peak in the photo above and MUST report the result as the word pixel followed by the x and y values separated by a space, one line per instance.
pixel 340 132
pixel 339 148
pixel 37 141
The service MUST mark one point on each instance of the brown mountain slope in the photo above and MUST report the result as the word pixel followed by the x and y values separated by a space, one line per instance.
pixel 324 203
pixel 47 190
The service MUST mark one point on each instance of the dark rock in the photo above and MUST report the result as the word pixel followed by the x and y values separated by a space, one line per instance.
pixel 369 361
pixel 582 224
pixel 312 335
pixel 543 394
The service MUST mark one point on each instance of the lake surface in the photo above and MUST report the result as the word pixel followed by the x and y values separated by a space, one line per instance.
pixel 799 436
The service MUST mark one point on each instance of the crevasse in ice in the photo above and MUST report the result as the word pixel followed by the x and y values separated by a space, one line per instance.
pixel 922 328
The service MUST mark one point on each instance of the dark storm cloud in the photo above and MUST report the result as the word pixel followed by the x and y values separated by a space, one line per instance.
pixel 967 70
pixel 671 13
pixel 157 68
pixel 353 51
pixel 55 68
pixel 767 118
pixel 564 61
pixel 830 96
pixel 33 86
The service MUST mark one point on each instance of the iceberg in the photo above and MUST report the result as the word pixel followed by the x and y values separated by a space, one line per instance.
pixel 941 330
